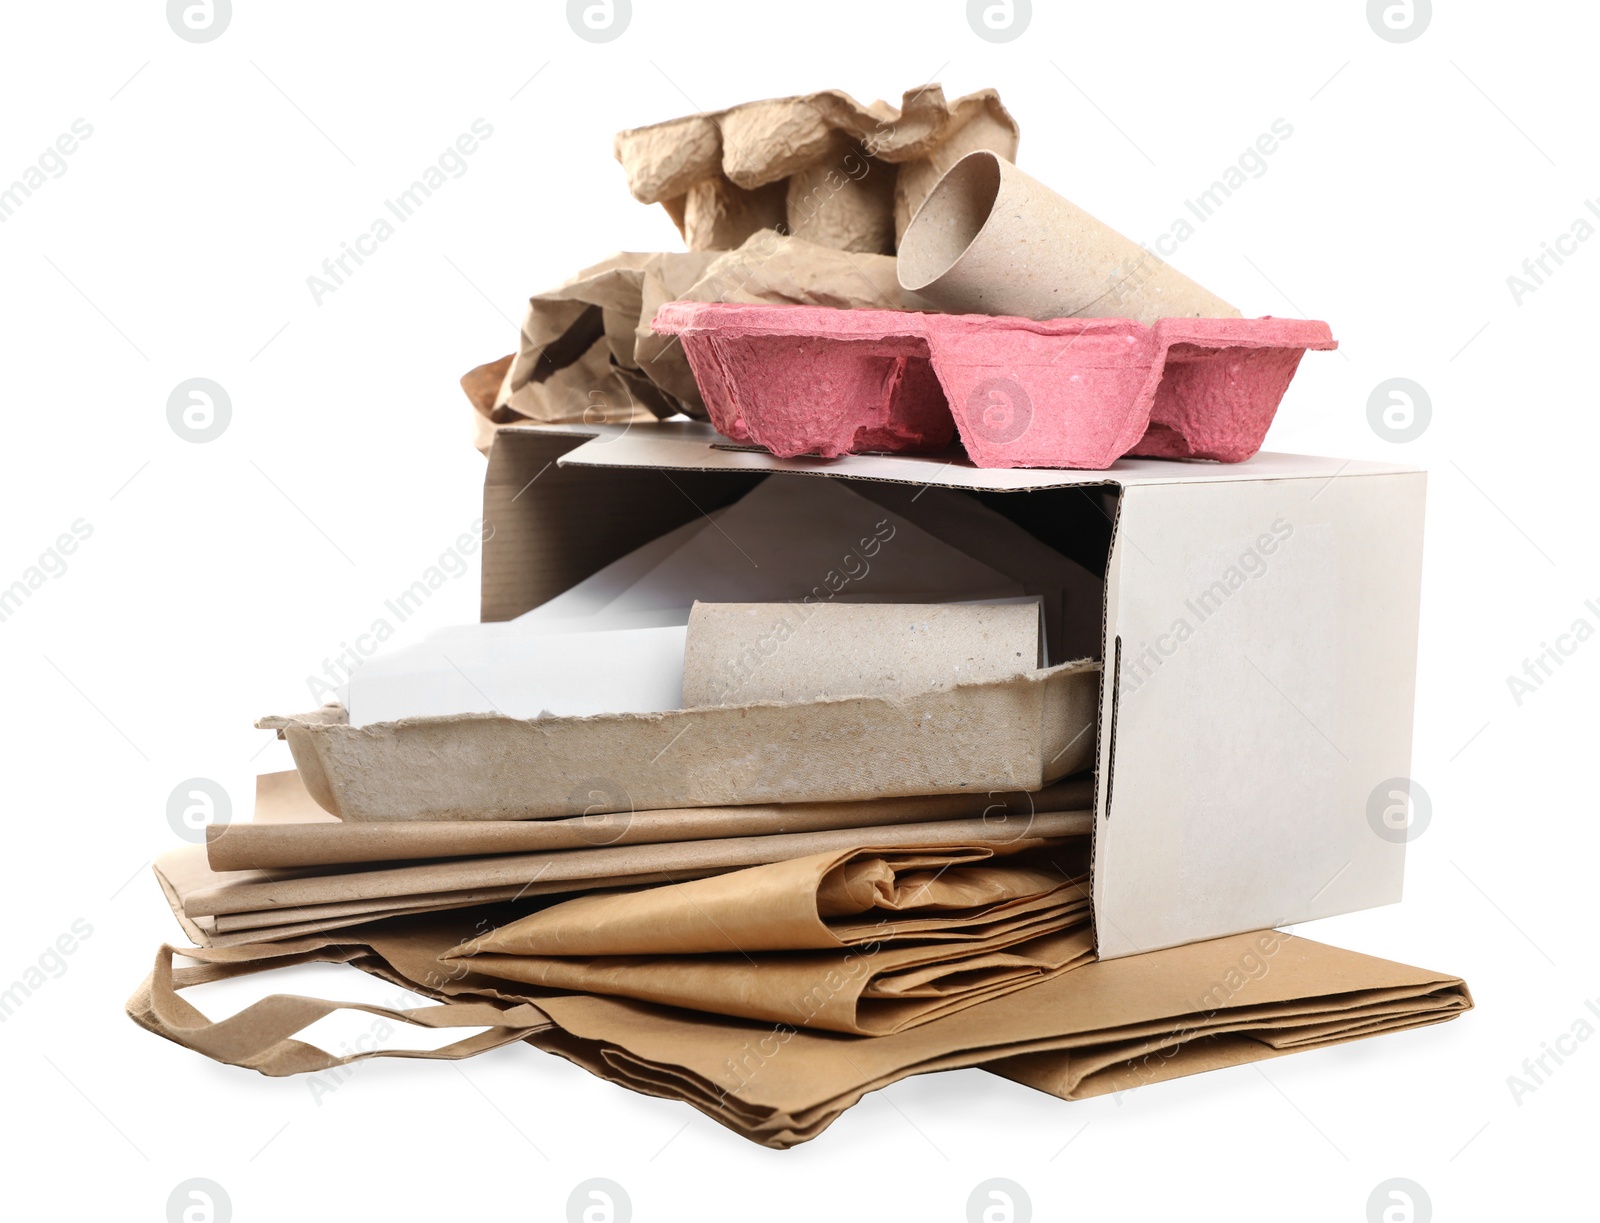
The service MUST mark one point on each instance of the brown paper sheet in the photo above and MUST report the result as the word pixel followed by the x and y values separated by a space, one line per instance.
pixel 482 383
pixel 183 876
pixel 1107 1026
pixel 741 652
pixel 1124 1018
pixel 888 990
pixel 821 902
pixel 855 174
pixel 866 942
pixel 292 889
pixel 315 838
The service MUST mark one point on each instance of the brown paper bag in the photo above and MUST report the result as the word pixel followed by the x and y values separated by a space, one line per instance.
pixel 879 990
pixel 578 336
pixel 866 941
pixel 1107 1026
pixel 1124 1022
pixel 587 354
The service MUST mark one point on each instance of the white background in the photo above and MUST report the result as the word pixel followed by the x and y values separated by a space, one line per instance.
pixel 177 244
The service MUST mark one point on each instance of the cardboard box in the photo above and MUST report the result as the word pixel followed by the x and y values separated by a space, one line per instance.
pixel 1259 631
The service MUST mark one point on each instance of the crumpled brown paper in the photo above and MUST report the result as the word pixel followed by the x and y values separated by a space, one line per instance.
pixel 867 941
pixel 838 173
pixel 587 353
pixel 1108 1026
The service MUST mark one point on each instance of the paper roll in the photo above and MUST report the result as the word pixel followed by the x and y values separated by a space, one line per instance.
pixel 742 652
pixel 917 179
pixel 991 240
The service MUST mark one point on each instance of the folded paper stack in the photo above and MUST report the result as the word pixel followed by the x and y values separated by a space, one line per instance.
pixel 291 873
pixel 760 788
pixel 1106 1026
pixel 912 934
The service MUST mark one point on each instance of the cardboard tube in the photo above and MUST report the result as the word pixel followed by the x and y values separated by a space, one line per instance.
pixel 991 240
pixel 917 179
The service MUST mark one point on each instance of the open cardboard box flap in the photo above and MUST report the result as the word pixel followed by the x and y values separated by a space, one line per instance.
pixel 1259 629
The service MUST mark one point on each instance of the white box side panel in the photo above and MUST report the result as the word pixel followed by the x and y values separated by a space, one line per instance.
pixel 1265 688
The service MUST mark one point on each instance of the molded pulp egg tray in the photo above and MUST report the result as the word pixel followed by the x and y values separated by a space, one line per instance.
pixel 811 380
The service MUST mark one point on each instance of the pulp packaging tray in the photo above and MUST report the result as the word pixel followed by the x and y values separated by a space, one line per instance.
pixel 1012 734
pixel 1071 392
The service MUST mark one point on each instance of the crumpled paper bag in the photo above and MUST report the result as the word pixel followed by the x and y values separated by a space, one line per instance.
pixel 587 354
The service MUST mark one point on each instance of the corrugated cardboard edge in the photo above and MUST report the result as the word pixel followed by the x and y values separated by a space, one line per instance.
pixel 1016 734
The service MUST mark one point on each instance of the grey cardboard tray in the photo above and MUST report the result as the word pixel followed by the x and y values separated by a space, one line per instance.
pixel 1014 734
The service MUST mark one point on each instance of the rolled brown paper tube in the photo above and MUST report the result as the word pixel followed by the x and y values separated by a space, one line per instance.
pixel 991 240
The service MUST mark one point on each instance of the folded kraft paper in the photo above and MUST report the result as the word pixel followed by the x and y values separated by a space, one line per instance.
pixel 865 941
pixel 1106 1026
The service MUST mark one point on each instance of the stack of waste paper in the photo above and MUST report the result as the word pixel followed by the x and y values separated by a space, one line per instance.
pixel 808 791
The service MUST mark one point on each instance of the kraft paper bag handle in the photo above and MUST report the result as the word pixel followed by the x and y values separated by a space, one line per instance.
pixel 260 1037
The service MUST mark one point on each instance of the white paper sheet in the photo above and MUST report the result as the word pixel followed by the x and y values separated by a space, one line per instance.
pixel 614 643
pixel 598 590
pixel 522 675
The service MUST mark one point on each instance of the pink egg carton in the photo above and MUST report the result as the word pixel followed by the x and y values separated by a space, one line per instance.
pixel 810 380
